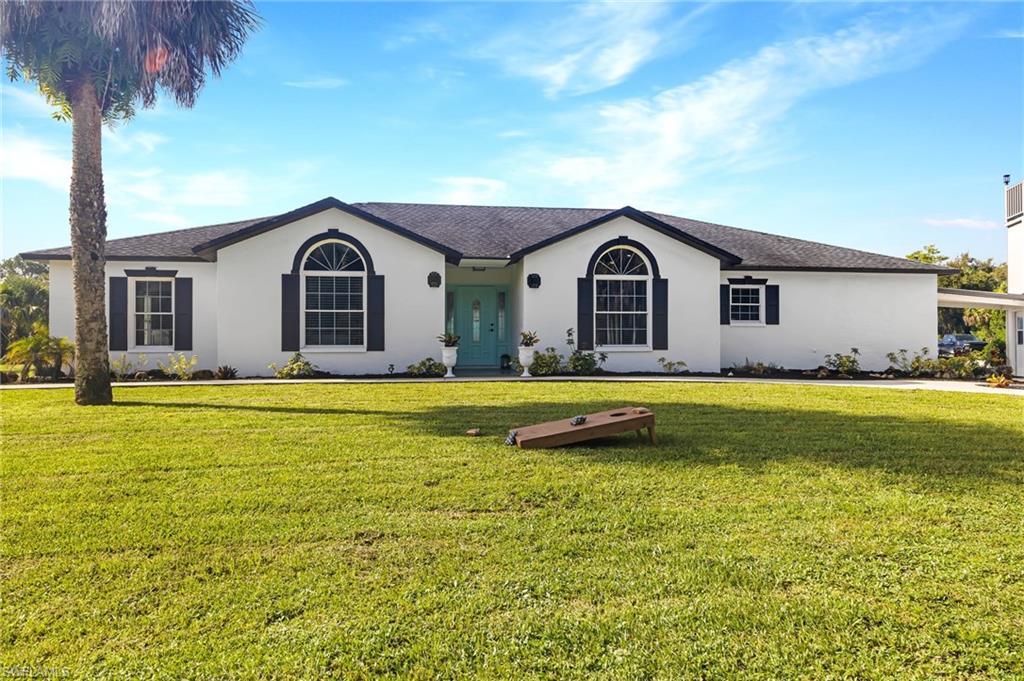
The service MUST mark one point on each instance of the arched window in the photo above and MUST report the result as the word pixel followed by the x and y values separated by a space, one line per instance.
pixel 621 289
pixel 334 291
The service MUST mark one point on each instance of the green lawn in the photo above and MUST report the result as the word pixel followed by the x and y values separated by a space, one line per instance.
pixel 352 530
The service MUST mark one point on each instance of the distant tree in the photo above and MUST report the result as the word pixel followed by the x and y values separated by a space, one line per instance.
pixel 95 62
pixel 976 275
pixel 24 302
pixel 26 268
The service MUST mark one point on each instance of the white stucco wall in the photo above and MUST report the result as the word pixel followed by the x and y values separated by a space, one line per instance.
pixel 204 306
pixel 693 334
pixel 62 299
pixel 1015 258
pixel 249 298
pixel 824 313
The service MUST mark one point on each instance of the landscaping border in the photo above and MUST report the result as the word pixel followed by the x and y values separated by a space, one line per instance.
pixel 899 384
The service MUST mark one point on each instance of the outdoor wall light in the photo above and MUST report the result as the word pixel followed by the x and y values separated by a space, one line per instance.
pixel 434 279
pixel 533 280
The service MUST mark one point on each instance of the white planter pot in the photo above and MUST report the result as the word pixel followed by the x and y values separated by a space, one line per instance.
pixel 526 358
pixel 449 356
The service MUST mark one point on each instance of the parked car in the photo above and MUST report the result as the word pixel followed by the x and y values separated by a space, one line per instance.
pixel 960 344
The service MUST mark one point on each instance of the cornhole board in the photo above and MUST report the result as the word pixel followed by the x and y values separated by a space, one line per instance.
pixel 601 424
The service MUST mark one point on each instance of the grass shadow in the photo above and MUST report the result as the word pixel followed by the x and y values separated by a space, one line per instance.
pixel 750 436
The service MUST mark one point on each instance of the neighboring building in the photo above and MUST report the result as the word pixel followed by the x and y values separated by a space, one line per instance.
pixel 1013 300
pixel 361 287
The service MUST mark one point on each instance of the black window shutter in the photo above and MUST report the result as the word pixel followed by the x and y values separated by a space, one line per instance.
pixel 290 312
pixel 375 312
pixel 660 320
pixel 118 315
pixel 723 304
pixel 182 313
pixel 771 304
pixel 585 313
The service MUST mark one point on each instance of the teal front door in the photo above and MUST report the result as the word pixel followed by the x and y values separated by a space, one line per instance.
pixel 476 319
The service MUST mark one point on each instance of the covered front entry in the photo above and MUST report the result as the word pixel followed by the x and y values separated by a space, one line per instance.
pixel 479 314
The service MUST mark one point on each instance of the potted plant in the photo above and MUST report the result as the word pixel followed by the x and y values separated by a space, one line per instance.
pixel 527 341
pixel 449 351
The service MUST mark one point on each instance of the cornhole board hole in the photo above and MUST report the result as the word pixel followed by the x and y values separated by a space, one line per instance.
pixel 601 424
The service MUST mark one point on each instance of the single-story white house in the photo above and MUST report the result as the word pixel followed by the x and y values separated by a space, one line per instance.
pixel 359 288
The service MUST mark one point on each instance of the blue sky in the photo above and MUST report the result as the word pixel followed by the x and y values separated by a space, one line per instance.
pixel 877 126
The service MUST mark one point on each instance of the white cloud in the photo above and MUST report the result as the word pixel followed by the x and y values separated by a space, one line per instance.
pixel 644 149
pixel 26 158
pixel 128 141
pixel 1010 34
pixel 29 102
pixel 172 220
pixel 470 190
pixel 216 188
pixel 510 134
pixel 322 83
pixel 962 223
pixel 596 46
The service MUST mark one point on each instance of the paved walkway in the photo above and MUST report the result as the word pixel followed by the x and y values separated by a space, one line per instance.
pixel 896 384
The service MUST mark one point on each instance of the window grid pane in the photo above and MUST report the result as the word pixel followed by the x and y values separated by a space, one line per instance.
pixel 621 312
pixel 154 321
pixel 334 310
pixel 745 304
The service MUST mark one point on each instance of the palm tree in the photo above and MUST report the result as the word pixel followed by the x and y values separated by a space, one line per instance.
pixel 96 61
pixel 23 302
pixel 39 348
pixel 30 351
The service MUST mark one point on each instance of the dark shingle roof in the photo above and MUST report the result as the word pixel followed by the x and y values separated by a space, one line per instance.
pixel 176 245
pixel 501 231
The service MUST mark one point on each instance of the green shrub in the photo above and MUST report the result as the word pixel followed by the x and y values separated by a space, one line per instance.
pixel 921 365
pixel 918 365
pixel 844 364
pixel 179 366
pixel 672 366
pixel 296 367
pixel 225 372
pixel 547 363
pixel 426 367
pixel 757 368
pixel 123 367
pixel 958 366
pixel 995 352
pixel 582 362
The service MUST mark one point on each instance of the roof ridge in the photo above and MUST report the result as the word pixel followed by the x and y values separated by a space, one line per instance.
pixel 475 205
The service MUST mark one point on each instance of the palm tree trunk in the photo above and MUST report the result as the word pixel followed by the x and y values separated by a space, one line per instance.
pixel 88 249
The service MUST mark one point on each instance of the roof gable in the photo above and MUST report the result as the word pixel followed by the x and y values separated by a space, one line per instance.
pixel 644 219
pixel 211 246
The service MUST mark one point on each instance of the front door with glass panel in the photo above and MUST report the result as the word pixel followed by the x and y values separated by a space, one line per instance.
pixel 476 321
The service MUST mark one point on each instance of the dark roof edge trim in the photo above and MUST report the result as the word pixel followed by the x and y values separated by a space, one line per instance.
pixel 313 209
pixel 857 270
pixel 44 257
pixel 644 219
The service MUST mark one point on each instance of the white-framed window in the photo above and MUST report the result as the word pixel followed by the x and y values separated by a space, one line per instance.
pixel 622 286
pixel 1020 329
pixel 334 296
pixel 746 304
pixel 153 312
